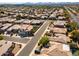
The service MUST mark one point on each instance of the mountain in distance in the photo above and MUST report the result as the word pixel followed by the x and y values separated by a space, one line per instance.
pixel 49 3
pixel 41 3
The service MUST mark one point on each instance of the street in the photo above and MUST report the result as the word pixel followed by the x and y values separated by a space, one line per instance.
pixel 16 39
pixel 29 47
pixel 74 18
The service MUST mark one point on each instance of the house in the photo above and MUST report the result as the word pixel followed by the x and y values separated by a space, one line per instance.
pixel 4 46
pixel 5 27
pixel 59 50
pixel 55 49
pixel 61 18
pixel 36 22
pixel 59 30
pixel 19 21
pixel 27 21
pixel 59 24
pixel 20 29
pixel 62 38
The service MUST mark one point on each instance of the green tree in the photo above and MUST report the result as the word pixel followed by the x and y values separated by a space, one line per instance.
pixel 76 53
pixel 75 36
pixel 1 37
pixel 43 41
pixel 18 17
pixel 34 29
pixel 72 26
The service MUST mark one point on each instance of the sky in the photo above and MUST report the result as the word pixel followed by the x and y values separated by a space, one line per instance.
pixel 35 1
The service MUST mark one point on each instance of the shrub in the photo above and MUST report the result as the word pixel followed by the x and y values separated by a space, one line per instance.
pixel 1 37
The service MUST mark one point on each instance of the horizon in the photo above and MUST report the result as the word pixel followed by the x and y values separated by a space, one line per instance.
pixel 34 1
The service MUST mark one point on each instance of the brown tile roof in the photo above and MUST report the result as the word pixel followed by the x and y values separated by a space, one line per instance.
pixel 57 52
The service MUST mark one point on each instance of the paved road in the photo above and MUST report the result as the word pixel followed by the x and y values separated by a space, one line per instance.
pixel 72 10
pixel 29 47
pixel 16 39
pixel 74 18
pixel 75 15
